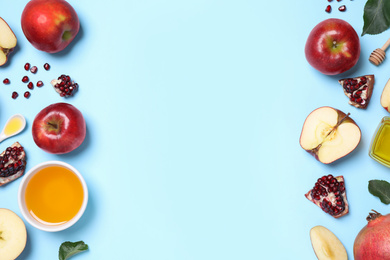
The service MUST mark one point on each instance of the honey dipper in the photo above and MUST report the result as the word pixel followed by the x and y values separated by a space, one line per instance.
pixel 378 55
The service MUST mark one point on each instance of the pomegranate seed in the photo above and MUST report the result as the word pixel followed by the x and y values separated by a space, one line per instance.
pixel 30 85
pixel 34 69
pixel 6 81
pixel 15 95
pixel 342 8
pixel 330 1
pixel 338 0
pixel 39 83
pixel 27 66
pixel 25 79
pixel 328 9
pixel 27 94
pixel 46 66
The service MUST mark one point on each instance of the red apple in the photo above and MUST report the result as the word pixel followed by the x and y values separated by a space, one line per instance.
pixel 332 47
pixel 59 128
pixel 49 25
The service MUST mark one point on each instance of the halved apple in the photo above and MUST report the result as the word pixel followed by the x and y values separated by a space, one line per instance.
pixel 329 134
pixel 13 235
pixel 385 97
pixel 7 41
pixel 326 245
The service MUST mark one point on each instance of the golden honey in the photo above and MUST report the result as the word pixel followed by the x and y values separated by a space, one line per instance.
pixel 54 195
pixel 380 144
pixel 13 126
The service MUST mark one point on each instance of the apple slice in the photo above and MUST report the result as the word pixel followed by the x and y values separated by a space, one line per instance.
pixel 385 97
pixel 326 245
pixel 13 235
pixel 7 41
pixel 358 90
pixel 329 134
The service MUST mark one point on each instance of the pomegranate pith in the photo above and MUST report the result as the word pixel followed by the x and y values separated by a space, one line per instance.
pixel 329 194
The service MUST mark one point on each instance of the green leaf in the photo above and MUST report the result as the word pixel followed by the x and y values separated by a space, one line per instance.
pixel 68 249
pixel 376 16
pixel 380 189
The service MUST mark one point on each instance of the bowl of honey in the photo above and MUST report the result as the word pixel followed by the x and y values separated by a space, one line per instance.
pixel 52 196
pixel 380 143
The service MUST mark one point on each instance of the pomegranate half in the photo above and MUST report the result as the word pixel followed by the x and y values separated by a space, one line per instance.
pixel 373 241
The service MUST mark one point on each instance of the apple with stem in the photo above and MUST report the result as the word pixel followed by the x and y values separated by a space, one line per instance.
pixel 326 245
pixel 329 134
pixel 50 25
pixel 332 47
pixel 13 235
pixel 7 41
pixel 59 128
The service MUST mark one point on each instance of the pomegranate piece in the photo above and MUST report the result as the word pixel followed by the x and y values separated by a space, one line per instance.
pixel 27 66
pixel 328 9
pixel 12 163
pixel 342 8
pixel 25 79
pixel 6 81
pixel 64 86
pixel 46 66
pixel 27 94
pixel 39 83
pixel 358 90
pixel 329 194
pixel 30 85
pixel 34 69
pixel 15 95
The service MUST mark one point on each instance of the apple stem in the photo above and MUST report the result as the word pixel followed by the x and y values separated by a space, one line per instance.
pixel 53 125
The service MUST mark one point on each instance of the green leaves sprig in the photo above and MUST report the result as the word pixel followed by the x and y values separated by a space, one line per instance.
pixel 376 16
pixel 380 189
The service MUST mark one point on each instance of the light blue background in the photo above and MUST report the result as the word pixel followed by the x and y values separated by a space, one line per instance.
pixel 194 111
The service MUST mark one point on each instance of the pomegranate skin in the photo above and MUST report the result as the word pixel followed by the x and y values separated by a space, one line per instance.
pixel 373 241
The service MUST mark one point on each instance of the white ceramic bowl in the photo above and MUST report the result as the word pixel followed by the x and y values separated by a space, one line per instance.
pixel 22 203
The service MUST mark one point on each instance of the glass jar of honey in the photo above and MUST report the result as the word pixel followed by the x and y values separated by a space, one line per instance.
pixel 380 143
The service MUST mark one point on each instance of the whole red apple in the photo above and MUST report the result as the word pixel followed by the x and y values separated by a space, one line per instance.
pixel 50 25
pixel 332 47
pixel 59 128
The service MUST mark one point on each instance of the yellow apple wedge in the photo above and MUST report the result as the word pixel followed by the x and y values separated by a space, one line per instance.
pixel 326 245
pixel 385 97
pixel 13 235
pixel 7 41
pixel 329 134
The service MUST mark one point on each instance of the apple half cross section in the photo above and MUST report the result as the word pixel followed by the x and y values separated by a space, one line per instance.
pixel 13 235
pixel 358 90
pixel 329 134
pixel 326 245
pixel 385 97
pixel 7 41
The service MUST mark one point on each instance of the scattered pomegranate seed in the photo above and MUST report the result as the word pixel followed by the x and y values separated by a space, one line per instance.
pixel 46 66
pixel 25 79
pixel 6 81
pixel 330 1
pixel 338 0
pixel 342 8
pixel 64 85
pixel 30 85
pixel 39 83
pixel 26 94
pixel 27 66
pixel 328 9
pixel 34 69
pixel 15 95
